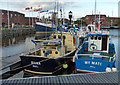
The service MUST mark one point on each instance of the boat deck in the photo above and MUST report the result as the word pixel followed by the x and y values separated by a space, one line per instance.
pixel 95 78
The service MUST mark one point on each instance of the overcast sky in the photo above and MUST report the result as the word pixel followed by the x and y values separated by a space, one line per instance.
pixel 80 8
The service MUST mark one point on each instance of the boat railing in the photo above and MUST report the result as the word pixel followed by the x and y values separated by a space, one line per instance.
pixel 44 40
pixel 110 58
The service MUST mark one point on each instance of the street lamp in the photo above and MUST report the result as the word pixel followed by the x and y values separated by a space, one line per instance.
pixel 70 16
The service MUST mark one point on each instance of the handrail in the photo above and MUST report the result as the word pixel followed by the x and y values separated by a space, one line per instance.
pixel 94 55
pixel 44 40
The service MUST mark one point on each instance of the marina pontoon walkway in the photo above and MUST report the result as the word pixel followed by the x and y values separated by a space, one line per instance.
pixel 97 78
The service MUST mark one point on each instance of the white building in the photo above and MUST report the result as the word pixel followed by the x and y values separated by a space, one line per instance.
pixel 119 9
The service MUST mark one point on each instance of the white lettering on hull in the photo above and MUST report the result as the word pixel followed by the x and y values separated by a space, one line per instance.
pixel 37 63
pixel 93 63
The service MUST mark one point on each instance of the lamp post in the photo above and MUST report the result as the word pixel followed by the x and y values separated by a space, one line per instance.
pixel 70 16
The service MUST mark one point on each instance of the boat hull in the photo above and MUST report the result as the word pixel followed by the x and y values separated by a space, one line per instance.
pixel 43 29
pixel 44 65
pixel 92 65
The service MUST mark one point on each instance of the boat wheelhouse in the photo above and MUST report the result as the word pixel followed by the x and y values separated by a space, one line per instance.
pixel 97 54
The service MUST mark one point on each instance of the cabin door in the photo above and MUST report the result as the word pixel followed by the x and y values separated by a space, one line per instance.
pixel 104 43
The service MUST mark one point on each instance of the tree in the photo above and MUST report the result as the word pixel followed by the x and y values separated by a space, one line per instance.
pixel 108 20
pixel 79 22
pixel 117 22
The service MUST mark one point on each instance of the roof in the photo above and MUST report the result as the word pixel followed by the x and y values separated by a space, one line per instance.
pixel 10 11
pixel 96 15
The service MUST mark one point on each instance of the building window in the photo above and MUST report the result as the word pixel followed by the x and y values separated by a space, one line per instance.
pixel 18 14
pixel 15 14
pixel 3 18
pixel 2 13
pixel 11 15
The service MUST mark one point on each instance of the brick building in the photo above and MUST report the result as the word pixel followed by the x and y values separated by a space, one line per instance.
pixel 28 20
pixel 14 17
pixel 105 21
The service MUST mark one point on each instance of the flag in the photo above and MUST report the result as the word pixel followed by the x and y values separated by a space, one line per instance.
pixel 27 8
pixel 51 12
pixel 35 10
pixel 97 25
pixel 44 11
pixel 55 12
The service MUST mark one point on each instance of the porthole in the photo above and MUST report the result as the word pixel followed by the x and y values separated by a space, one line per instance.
pixel 56 52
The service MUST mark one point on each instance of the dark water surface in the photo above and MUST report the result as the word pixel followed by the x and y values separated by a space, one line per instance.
pixel 15 45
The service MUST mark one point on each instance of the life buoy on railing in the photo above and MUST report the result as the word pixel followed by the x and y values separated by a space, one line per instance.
pixel 95 46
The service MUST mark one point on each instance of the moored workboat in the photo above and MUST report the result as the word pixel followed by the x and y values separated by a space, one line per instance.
pixel 96 55
pixel 44 27
pixel 53 54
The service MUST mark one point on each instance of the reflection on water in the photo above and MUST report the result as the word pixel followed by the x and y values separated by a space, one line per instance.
pixel 15 45
pixel 116 40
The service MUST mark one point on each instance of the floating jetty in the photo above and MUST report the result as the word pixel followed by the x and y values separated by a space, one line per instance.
pixel 93 78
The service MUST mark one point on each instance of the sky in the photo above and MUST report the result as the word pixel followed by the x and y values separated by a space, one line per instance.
pixel 80 8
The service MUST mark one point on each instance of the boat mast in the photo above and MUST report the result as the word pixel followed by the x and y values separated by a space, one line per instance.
pixel 57 15
pixel 99 20
pixel 61 23
pixel 95 13
pixel 53 17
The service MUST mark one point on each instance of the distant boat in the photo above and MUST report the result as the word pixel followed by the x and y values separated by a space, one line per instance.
pixel 54 53
pixel 96 55
pixel 44 28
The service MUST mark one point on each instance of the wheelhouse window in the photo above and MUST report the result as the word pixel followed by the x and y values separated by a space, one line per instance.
pixel 50 51
pixel 99 38
pixel 95 37
pixel 54 36
pixel 43 51
pixel 91 37
pixel 64 37
pixel 59 36
pixel 2 13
